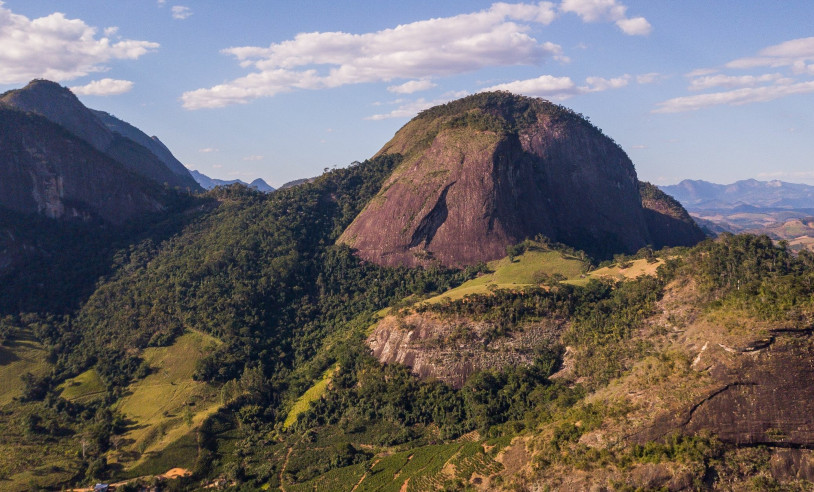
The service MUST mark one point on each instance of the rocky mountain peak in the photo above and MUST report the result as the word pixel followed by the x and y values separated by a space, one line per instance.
pixel 60 105
pixel 492 169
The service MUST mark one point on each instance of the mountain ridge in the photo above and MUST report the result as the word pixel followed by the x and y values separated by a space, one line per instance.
pixel 103 133
pixel 208 183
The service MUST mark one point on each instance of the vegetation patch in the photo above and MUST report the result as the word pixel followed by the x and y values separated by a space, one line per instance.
pixel 314 393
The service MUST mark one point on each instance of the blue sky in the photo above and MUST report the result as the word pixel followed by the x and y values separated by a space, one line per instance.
pixel 719 90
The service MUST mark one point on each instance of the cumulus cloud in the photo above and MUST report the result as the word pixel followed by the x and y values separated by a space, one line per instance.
pixel 412 86
pixel 103 87
pixel 57 48
pixel 608 11
pixel 180 12
pixel 552 87
pixel 253 158
pixel 734 97
pixel 412 108
pixel 208 150
pixel 439 47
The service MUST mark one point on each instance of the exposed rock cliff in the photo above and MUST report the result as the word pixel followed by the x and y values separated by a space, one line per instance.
pixel 492 169
pixel 108 135
pixel 454 350
pixel 45 169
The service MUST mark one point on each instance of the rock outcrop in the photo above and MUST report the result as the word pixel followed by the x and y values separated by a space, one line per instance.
pixel 453 350
pixel 45 169
pixel 492 169
pixel 116 139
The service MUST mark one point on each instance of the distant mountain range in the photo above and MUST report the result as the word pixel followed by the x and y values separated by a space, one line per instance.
pixel 208 183
pixel 779 209
pixel 703 195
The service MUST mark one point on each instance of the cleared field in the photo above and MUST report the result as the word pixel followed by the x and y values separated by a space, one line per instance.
pixel 84 387
pixel 21 355
pixel 168 404
pixel 635 269
pixel 525 270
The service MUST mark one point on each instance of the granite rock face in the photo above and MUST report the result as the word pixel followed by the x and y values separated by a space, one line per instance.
pixel 451 351
pixel 44 169
pixel 490 170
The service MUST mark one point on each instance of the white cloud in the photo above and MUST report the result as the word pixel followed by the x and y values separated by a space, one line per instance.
pixel 599 84
pixel 542 86
pixel 208 150
pixel 57 48
pixel 607 11
pixel 732 81
pixel 549 86
pixel 412 108
pixel 412 86
pixel 648 78
pixel 110 31
pixel 734 97
pixel 637 26
pixel 789 53
pixel 745 89
pixel 439 47
pixel 253 158
pixel 103 87
pixel 180 12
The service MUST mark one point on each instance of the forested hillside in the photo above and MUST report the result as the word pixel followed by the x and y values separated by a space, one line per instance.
pixel 234 338
pixel 257 324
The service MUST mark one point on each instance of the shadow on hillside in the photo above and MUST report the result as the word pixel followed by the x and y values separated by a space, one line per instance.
pixel 63 260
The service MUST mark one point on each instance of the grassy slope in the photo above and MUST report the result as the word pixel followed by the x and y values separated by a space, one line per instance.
pixel 312 394
pixel 518 273
pixel 84 387
pixel 167 404
pixel 20 356
pixel 626 270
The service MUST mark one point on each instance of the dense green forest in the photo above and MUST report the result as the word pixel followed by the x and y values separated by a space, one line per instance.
pixel 262 275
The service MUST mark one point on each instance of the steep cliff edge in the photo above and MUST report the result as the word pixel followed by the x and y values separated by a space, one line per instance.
pixel 492 169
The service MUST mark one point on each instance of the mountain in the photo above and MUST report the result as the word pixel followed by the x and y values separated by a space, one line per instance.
pixel 51 172
pixel 153 144
pixel 490 170
pixel 775 208
pixel 108 135
pixel 700 195
pixel 208 183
